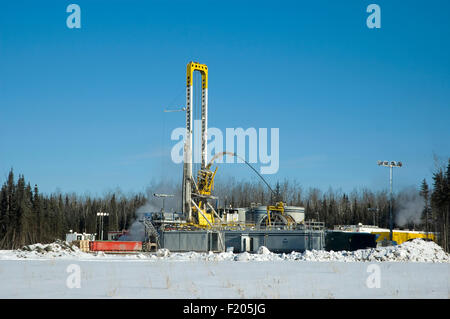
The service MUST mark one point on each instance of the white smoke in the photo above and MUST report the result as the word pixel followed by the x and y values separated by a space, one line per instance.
pixel 410 206
pixel 136 232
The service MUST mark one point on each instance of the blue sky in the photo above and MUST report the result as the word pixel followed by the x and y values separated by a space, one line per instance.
pixel 81 110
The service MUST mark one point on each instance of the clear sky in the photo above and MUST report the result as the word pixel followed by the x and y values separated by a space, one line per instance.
pixel 81 110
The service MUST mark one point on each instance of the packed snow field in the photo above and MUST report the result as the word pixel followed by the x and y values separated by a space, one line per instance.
pixel 417 250
pixel 416 269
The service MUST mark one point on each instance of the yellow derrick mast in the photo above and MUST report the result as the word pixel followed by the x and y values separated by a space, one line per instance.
pixel 198 212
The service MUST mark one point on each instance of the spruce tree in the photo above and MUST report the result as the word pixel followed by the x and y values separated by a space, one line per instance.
pixel 425 193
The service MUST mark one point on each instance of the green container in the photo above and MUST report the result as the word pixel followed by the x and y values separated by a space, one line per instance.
pixel 349 241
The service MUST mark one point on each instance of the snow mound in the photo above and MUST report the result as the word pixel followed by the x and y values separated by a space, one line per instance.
pixel 263 250
pixel 56 249
pixel 417 250
pixel 245 256
pixel 163 252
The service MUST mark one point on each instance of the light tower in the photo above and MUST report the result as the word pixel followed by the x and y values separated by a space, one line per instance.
pixel 391 165
pixel 163 196
pixel 102 215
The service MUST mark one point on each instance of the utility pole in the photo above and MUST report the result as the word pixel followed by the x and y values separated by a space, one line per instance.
pixel 375 211
pixel 391 165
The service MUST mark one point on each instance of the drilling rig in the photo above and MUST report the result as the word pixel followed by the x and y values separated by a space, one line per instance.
pixel 200 227
pixel 197 210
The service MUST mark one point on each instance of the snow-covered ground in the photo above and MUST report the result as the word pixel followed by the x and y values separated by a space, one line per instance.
pixel 416 269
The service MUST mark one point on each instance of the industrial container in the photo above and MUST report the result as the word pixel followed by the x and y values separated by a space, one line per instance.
pixel 278 241
pixel 200 241
pixel 400 236
pixel 349 241
pixel 70 237
pixel 115 246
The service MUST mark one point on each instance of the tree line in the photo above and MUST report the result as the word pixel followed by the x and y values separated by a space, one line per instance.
pixel 27 216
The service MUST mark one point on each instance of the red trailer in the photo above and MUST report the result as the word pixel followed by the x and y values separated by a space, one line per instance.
pixel 115 246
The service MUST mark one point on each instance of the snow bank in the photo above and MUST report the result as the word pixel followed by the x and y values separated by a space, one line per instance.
pixel 417 250
pixel 58 249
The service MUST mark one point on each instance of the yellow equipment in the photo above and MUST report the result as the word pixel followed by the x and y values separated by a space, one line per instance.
pixel 277 218
pixel 279 207
pixel 400 236
pixel 205 185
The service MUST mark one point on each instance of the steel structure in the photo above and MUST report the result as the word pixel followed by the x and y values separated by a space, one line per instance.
pixel 196 194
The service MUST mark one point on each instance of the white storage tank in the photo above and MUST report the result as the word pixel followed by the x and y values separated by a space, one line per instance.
pixel 297 212
pixel 256 214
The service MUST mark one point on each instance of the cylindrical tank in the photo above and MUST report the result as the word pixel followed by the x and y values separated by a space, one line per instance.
pixel 255 214
pixel 297 212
